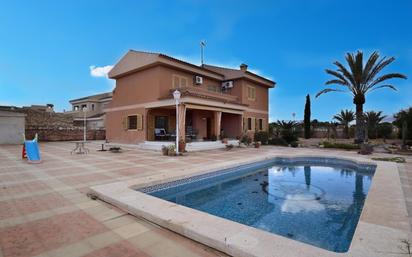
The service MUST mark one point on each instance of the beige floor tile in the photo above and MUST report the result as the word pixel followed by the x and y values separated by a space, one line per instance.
pixel 120 221
pixel 131 230
pixel 104 239
pixel 74 250
pixel 155 244
pixel 88 204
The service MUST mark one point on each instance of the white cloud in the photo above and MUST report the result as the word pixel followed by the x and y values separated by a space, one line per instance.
pixel 294 204
pixel 96 71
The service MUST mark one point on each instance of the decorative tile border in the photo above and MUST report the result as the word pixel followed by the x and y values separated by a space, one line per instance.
pixel 362 167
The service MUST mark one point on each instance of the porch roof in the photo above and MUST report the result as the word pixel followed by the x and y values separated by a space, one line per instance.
pixel 201 104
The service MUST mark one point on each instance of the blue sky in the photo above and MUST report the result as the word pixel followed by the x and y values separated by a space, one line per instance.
pixel 47 48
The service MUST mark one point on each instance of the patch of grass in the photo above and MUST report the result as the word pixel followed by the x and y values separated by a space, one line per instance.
pixel 390 159
pixel 327 144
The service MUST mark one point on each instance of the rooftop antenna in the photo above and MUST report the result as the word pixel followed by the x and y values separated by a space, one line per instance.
pixel 202 46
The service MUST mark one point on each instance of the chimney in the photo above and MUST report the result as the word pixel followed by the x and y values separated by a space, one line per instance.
pixel 243 67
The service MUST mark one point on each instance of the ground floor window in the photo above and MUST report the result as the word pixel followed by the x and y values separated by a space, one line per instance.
pixel 260 125
pixel 134 122
pixel 249 123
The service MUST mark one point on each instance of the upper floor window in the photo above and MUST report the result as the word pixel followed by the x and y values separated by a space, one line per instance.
pixel 251 93
pixel 179 81
pixel 216 89
pixel 75 108
pixel 92 107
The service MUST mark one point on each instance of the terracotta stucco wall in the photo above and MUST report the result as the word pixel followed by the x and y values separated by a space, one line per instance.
pixel 199 119
pixel 115 129
pixel 231 125
pixel 257 116
pixel 262 96
pixel 166 80
pixel 135 88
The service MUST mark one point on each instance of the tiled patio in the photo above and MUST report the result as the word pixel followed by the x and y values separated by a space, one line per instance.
pixel 44 209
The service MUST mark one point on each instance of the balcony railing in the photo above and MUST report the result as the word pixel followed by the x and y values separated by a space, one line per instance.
pixel 203 93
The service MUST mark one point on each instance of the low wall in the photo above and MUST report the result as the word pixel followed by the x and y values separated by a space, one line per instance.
pixel 64 134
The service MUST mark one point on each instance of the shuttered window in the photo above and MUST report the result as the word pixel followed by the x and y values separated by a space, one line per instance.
pixel 133 122
pixel 251 93
pixel 179 81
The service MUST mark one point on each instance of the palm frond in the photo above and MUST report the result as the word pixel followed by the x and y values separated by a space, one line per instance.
pixel 379 67
pixel 386 77
pixel 358 65
pixel 345 72
pixel 337 75
pixel 369 65
pixel 327 90
pixel 336 82
pixel 384 86
pixel 345 116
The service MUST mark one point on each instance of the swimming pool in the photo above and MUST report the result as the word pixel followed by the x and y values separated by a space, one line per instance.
pixel 313 200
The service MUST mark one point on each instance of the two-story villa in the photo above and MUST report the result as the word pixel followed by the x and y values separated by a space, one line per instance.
pixel 215 101
pixel 93 107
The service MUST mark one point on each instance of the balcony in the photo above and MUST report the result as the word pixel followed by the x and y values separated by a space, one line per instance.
pixel 206 94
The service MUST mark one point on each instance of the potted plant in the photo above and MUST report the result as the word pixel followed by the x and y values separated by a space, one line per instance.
pixel 171 150
pixel 182 146
pixel 229 147
pixel 165 150
pixel 257 144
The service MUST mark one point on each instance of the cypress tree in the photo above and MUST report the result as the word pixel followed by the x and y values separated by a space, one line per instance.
pixel 306 120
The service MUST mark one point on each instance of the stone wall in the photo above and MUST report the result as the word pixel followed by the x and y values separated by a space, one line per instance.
pixel 64 134
pixel 47 119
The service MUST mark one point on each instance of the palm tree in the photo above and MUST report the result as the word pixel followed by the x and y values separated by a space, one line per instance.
pixel 373 119
pixel 345 117
pixel 360 79
pixel 288 130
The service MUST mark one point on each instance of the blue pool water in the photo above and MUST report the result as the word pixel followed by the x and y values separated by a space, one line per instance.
pixel 312 200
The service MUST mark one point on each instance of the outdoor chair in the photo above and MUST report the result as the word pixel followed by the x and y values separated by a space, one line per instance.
pixel 160 134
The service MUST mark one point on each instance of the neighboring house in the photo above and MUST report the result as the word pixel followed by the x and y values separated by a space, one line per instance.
pixel 95 113
pixel 215 101
pixel 12 125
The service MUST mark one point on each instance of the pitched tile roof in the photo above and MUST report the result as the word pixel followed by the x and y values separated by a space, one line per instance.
pixel 136 60
pixel 96 97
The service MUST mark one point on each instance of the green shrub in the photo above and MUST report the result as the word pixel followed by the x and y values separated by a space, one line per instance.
pixel 246 139
pixel 294 144
pixel 385 130
pixel 404 116
pixel 278 141
pixel 288 130
pixel 289 136
pixel 327 144
pixel 261 136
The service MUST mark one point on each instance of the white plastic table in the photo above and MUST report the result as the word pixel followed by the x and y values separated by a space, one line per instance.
pixel 80 148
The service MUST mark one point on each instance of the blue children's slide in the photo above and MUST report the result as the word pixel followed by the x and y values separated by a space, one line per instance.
pixel 32 150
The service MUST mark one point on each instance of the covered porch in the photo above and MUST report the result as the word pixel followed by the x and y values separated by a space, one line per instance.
pixel 200 123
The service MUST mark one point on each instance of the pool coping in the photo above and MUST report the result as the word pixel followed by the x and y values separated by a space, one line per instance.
pixel 383 222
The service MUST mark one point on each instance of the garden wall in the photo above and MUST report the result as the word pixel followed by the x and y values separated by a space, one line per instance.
pixel 64 134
